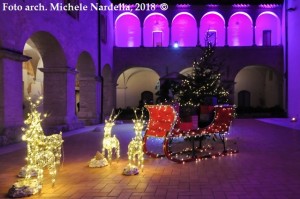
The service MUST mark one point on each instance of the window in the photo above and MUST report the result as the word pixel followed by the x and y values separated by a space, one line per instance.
pixel 74 14
pixel 267 37
pixel 103 30
pixel 268 29
pixel 156 30
pixel 213 21
pixel 211 37
pixel 244 98
pixel 157 38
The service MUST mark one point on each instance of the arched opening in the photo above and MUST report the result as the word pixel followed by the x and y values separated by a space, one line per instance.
pixel 59 82
pixel 46 53
pixel 132 83
pixel 156 30
pixel 258 87
pixel 127 30
pixel 240 30
pixel 108 90
pixel 184 30
pixel 33 78
pixel 212 28
pixel 86 90
pixel 267 30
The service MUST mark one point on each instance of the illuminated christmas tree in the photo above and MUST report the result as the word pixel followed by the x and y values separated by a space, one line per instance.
pixel 203 82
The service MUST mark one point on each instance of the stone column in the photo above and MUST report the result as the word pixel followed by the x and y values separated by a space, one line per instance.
pixel 170 35
pixel 89 100
pixel 198 36
pixel 59 99
pixel 108 98
pixel 142 36
pixel 253 36
pixel 226 35
pixel 11 101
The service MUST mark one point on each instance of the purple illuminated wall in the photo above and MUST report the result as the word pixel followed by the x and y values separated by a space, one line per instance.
pixel 127 30
pixel 156 30
pixel 267 21
pixel 212 21
pixel 184 29
pixel 240 32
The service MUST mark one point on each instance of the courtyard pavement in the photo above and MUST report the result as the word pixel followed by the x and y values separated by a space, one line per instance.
pixel 267 167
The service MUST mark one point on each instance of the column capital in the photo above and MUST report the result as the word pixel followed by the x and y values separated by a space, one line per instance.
pixel 13 55
pixel 59 70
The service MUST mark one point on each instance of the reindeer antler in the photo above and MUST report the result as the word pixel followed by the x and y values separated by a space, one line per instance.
pixel 142 110
pixel 112 118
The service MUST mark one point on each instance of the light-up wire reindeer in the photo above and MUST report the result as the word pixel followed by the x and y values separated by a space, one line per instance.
pixel 42 151
pixel 135 147
pixel 109 142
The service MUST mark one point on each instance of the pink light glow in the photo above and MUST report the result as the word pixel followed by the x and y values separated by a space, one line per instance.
pixel 183 5
pixel 156 23
pixel 212 5
pixel 269 5
pixel 184 29
pixel 127 30
pixel 212 21
pixel 241 5
pixel 240 32
pixel 267 21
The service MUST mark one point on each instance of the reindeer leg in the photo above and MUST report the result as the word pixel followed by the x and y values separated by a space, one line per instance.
pixel 109 155
pixel 118 153
pixel 52 172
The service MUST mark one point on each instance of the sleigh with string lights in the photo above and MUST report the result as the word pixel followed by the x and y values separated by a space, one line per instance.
pixel 182 144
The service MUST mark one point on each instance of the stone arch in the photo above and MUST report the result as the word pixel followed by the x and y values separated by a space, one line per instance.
pixel 156 30
pixel 184 30
pixel 263 83
pixel 268 21
pixel 213 22
pixel 33 78
pixel 132 82
pixel 240 30
pixel 86 90
pixel 50 49
pixel 59 83
pixel 127 30
pixel 109 90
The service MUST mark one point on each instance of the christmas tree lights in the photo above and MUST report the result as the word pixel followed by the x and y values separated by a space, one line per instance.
pixel 42 151
pixel 205 81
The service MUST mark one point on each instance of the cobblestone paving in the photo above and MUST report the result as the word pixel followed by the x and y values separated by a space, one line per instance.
pixel 267 167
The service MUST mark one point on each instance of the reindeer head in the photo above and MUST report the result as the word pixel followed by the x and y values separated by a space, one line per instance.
pixel 33 122
pixel 111 121
pixel 138 121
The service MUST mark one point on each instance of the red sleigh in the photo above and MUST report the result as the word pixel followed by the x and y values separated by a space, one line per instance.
pixel 184 145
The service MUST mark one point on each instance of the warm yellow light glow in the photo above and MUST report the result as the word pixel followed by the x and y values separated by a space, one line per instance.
pixel 42 151
pixel 109 142
pixel 135 147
